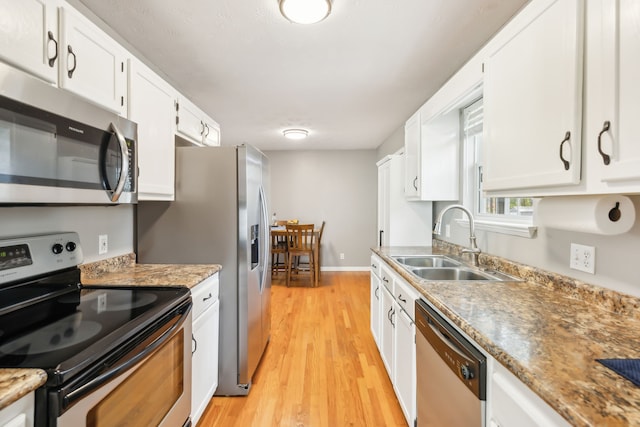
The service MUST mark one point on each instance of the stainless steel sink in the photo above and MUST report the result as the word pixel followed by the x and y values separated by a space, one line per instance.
pixel 426 261
pixel 450 274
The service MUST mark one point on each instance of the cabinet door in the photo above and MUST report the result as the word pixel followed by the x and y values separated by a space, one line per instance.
pixel 29 37
pixel 533 101
pixel 405 364
pixel 20 413
pixel 204 364
pixel 375 304
pixel 384 207
pixel 513 404
pixel 93 64
pixel 151 106
pixel 387 330
pixel 211 132
pixel 412 157
pixel 189 123
pixel 621 91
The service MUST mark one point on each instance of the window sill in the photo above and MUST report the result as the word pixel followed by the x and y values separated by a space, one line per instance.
pixel 513 229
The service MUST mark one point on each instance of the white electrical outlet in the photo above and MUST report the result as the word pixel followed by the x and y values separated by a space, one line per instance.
pixel 583 258
pixel 103 244
pixel 341 255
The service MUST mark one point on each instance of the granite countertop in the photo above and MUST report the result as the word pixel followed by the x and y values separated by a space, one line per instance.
pixel 123 271
pixel 117 271
pixel 16 383
pixel 547 330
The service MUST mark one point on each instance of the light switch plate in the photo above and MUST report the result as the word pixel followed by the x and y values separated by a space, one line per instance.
pixel 583 258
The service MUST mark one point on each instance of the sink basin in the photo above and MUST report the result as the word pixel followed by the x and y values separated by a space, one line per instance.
pixel 426 261
pixel 451 274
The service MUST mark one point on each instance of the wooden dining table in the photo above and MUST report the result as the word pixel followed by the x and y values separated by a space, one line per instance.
pixel 281 231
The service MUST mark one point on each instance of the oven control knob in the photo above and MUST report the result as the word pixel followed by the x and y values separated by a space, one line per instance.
pixel 71 246
pixel 466 372
pixel 57 248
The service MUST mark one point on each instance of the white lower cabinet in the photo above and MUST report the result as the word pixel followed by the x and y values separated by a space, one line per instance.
pixel 396 332
pixel 204 344
pixel 513 404
pixel 375 299
pixel 19 414
pixel 387 330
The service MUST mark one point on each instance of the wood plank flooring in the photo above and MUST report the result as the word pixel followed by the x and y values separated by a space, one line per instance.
pixel 321 367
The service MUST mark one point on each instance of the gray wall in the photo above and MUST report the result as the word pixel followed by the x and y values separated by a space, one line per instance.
pixel 88 221
pixel 393 143
pixel 616 256
pixel 339 187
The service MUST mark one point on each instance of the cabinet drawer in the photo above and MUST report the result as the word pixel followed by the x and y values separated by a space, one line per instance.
pixel 375 265
pixel 205 294
pixel 406 296
pixel 386 276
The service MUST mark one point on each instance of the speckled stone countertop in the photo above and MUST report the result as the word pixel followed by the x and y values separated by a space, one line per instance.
pixel 15 383
pixel 123 271
pixel 547 330
pixel 117 271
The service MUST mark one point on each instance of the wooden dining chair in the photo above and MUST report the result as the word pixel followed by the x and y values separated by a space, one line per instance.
pixel 300 240
pixel 278 249
pixel 317 251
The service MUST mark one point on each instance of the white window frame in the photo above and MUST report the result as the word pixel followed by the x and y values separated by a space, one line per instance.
pixel 521 226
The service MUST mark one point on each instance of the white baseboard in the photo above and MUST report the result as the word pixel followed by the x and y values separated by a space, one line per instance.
pixel 354 268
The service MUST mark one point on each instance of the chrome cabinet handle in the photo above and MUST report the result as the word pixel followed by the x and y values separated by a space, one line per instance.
pixel 391 318
pixel 376 292
pixel 207 297
pixel 401 299
pixel 385 280
pixel 195 344
pixel 52 61
pixel 202 131
pixel 206 126
pixel 389 314
pixel 75 62
pixel 415 181
pixel 567 137
pixel 605 157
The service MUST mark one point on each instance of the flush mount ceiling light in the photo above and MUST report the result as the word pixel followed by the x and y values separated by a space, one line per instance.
pixel 305 11
pixel 295 133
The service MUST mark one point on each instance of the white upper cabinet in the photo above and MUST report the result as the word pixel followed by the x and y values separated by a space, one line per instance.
pixel 152 107
pixel 92 63
pixel 29 37
pixel 194 125
pixel 412 179
pixel 613 136
pixel 533 99
pixel 51 40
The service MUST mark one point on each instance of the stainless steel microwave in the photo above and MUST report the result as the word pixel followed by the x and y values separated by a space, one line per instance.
pixel 57 148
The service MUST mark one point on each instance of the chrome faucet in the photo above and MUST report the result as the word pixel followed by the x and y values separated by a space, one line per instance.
pixel 473 250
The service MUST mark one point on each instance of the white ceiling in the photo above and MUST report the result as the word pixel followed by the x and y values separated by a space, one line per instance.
pixel 351 80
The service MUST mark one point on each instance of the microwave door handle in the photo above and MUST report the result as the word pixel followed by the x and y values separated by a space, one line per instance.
pixel 114 371
pixel 124 171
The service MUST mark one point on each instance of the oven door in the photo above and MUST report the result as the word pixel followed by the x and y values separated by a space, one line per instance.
pixel 149 386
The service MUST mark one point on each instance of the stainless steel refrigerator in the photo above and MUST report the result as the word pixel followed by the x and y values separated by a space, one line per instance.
pixel 220 216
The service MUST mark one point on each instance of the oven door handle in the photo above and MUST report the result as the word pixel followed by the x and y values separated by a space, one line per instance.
pixel 116 370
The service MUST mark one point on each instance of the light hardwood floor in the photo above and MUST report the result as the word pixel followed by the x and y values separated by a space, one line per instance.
pixel 321 367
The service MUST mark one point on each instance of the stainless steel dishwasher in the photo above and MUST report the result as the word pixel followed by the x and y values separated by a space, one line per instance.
pixel 451 374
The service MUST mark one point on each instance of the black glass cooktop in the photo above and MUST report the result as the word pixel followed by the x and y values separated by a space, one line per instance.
pixel 58 325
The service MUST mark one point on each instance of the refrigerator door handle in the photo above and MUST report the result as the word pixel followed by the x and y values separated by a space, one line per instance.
pixel 265 241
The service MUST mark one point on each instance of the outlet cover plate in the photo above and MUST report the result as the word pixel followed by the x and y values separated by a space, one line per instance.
pixel 103 244
pixel 583 258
